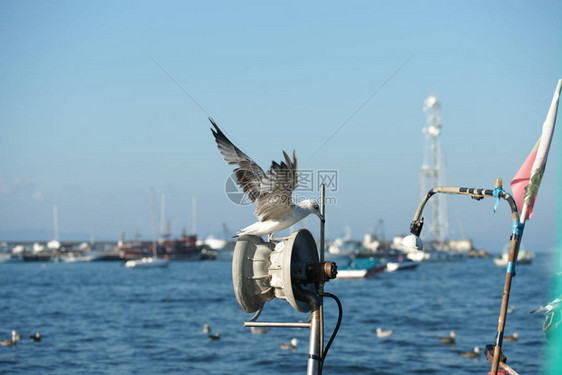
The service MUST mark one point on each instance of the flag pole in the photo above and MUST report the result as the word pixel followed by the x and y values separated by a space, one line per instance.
pixel 531 191
pixel 517 232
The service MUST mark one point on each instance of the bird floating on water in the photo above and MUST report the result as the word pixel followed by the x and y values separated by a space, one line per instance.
pixel 272 190
pixel 473 354
pixel 514 337
pixel 36 337
pixel 17 336
pixel 10 342
pixel 258 330
pixel 214 336
pixel 448 339
pixel 206 329
pixel 290 345
pixel 382 334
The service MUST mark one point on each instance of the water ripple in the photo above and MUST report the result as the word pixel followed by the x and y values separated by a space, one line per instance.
pixel 101 318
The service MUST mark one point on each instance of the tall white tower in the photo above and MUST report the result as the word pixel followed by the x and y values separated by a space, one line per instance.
pixel 433 172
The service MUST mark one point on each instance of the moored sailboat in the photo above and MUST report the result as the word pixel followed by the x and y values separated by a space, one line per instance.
pixel 154 261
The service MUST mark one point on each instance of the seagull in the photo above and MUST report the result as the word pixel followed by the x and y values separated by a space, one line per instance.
pixel 473 354
pixel 272 190
pixel 290 345
pixel 258 330
pixel 515 337
pixel 206 329
pixel 16 336
pixel 36 337
pixel 214 336
pixel 11 342
pixel 448 339
pixel 381 333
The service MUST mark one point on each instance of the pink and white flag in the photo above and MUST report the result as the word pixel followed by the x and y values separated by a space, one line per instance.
pixel 525 185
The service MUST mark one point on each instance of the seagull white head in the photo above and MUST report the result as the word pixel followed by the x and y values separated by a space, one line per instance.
pixel 312 207
pixel 294 342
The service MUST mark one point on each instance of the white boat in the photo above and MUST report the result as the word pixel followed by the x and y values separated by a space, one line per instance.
pixel 81 253
pixel 344 246
pixel 213 243
pixel 148 262
pixel 523 257
pixel 54 244
pixel 352 274
pixel 443 256
pixel 38 248
pixel 154 261
pixel 430 253
pixel 360 268
pixel 434 256
pixel 73 258
pixel 401 264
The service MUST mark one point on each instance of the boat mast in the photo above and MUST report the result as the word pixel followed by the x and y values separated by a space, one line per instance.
pixel 194 216
pixel 433 171
pixel 153 209
pixel 56 223
pixel 163 216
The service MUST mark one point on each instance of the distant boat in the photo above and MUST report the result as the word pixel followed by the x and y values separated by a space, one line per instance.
pixel 76 254
pixel 345 246
pixel 149 262
pixel 400 264
pixel 38 254
pixel 154 261
pixel 360 268
pixel 76 258
pixel 430 252
pixel 523 257
pixel 54 245
pixel 213 243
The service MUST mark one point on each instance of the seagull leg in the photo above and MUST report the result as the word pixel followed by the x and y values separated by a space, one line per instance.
pixel 270 238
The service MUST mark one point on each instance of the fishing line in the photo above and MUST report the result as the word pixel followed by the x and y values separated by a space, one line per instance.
pixel 190 97
pixel 362 105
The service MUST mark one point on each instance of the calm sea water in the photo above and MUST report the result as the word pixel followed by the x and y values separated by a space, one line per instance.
pixel 102 318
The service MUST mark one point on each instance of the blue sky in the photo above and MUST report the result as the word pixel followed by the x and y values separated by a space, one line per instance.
pixel 90 123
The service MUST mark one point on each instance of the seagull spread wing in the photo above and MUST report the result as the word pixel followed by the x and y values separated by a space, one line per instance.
pixel 277 188
pixel 272 190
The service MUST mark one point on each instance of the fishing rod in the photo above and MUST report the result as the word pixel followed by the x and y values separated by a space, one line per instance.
pixel 493 352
